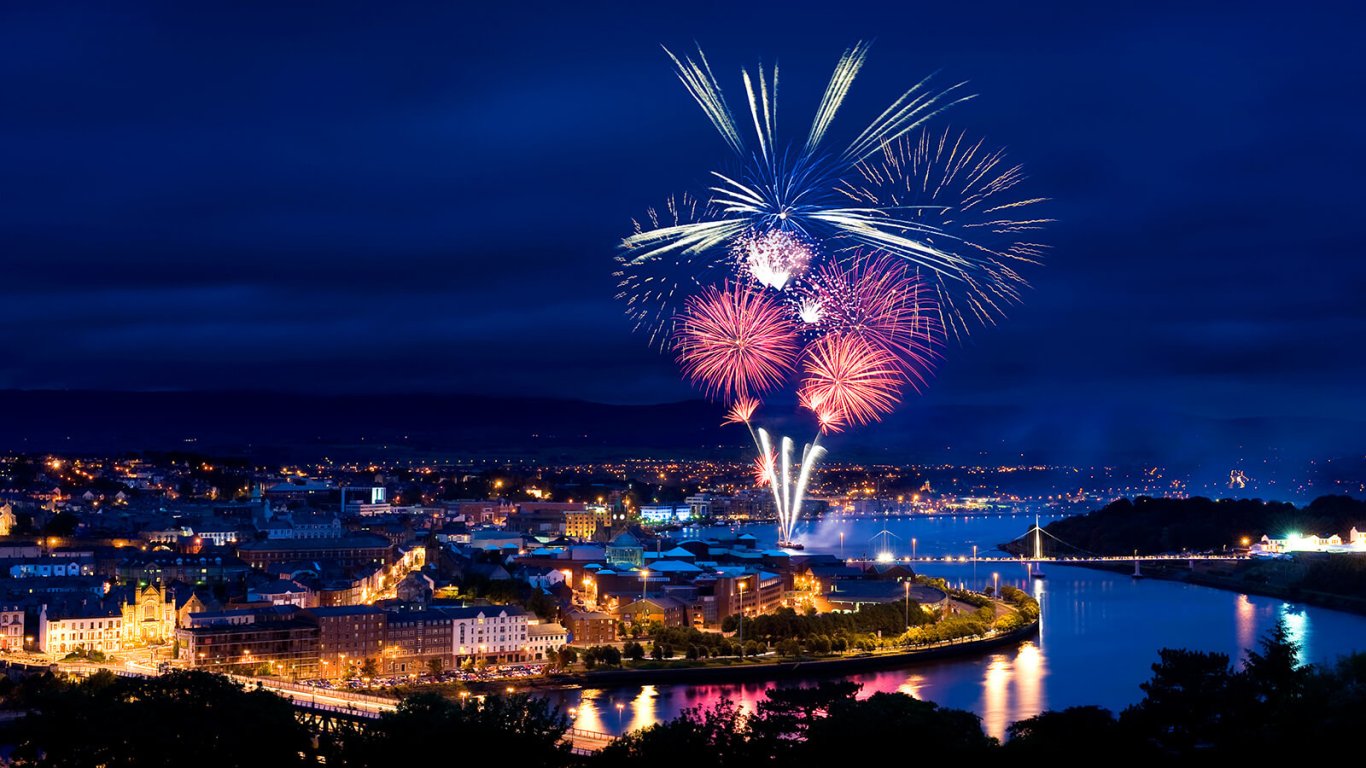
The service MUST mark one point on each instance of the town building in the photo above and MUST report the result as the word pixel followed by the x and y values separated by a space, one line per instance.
pixel 663 610
pixel 11 628
pixel 349 551
pixel 414 638
pixel 590 627
pixel 348 636
pixel 149 615
pixel 625 551
pixel 544 639
pixel 86 624
pixel 246 641
pixel 496 633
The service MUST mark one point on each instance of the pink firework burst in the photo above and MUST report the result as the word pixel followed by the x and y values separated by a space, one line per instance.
pixel 878 299
pixel 741 411
pixel 849 379
pixel 736 342
pixel 828 418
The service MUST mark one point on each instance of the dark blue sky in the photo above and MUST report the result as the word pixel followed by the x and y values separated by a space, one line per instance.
pixel 350 198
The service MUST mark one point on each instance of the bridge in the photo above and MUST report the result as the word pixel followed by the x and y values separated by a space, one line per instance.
pixel 1079 555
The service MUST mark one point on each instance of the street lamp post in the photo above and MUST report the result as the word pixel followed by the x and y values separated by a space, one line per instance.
pixel 907 585
pixel 741 586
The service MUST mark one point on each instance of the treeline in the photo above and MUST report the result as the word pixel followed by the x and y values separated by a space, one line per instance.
pixel 1196 705
pixel 869 621
pixel 1153 525
pixel 977 623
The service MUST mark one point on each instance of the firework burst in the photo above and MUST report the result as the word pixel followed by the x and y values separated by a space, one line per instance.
pixel 736 342
pixel 848 376
pixel 773 258
pixel 742 410
pixel 964 197
pixel 842 266
pixel 793 189
pixel 655 290
pixel 880 300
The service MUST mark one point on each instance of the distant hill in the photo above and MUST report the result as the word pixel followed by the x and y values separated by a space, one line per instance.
pixel 1196 524
pixel 290 424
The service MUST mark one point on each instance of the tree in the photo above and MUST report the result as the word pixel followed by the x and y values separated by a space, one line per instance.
pixel 369 670
pixel 936 732
pixel 514 730
pixel 434 666
pixel 1071 732
pixel 633 651
pixel 1186 702
pixel 1274 673
pixel 195 713
pixel 611 655
pixel 715 736
pixel 787 714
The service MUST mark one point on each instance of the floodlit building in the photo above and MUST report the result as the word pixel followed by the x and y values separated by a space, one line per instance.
pixel 11 628
pixel 495 633
pixel 88 624
pixel 148 614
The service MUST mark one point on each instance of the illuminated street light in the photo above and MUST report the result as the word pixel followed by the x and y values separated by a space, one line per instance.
pixel 907 585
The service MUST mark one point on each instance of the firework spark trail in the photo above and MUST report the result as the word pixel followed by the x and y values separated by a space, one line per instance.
pixel 965 192
pixel 775 470
pixel 736 341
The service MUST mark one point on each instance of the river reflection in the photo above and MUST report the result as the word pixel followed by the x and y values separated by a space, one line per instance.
pixel 1099 635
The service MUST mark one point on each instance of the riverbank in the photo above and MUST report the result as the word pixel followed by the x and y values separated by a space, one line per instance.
pixel 1284 579
pixel 766 670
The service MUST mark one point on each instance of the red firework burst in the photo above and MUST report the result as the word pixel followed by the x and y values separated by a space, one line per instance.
pixel 736 342
pixel 849 379
pixel 881 301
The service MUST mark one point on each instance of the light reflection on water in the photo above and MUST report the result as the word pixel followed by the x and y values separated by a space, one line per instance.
pixel 1099 636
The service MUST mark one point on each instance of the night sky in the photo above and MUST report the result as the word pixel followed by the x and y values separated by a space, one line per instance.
pixel 332 197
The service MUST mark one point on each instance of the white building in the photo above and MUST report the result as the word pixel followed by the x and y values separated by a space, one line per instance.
pixel 220 534
pixel 94 629
pixel 543 640
pixel 492 632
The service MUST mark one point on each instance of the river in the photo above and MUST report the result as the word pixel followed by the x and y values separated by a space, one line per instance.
pixel 1099 632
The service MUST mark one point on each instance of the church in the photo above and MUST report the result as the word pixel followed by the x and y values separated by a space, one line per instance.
pixel 149 615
